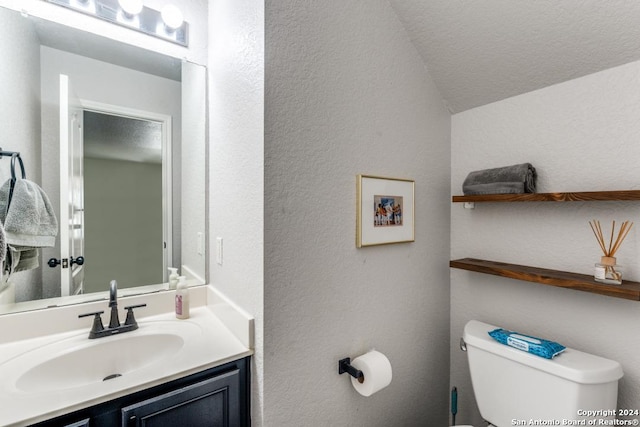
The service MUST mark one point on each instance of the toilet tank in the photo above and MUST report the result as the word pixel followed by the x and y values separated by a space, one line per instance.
pixel 513 387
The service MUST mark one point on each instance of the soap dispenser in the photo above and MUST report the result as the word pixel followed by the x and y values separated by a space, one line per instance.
pixel 182 299
pixel 173 278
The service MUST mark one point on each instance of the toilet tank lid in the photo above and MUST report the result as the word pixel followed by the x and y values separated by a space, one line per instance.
pixel 573 365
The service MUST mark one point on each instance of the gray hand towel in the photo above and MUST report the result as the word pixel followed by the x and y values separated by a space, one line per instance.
pixel 21 259
pixel 504 180
pixel 30 220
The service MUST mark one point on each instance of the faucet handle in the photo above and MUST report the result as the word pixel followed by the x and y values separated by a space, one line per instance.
pixel 97 323
pixel 131 320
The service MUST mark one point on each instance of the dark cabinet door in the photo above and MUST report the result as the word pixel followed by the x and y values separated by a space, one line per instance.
pixel 83 423
pixel 214 402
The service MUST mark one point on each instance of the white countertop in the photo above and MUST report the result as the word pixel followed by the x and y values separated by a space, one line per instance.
pixel 216 342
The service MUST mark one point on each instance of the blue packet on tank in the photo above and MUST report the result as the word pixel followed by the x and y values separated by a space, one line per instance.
pixel 533 345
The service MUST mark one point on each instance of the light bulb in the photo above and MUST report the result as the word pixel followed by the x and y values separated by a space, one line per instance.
pixel 131 7
pixel 172 17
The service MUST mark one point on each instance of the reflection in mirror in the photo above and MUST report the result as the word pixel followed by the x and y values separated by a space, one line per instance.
pixel 139 118
pixel 122 168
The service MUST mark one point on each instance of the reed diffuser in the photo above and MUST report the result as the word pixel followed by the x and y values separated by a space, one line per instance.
pixel 607 271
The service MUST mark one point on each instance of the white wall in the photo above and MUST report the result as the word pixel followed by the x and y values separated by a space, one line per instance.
pixel 20 91
pixel 193 183
pixel 236 174
pixel 347 93
pixel 20 116
pixel 581 135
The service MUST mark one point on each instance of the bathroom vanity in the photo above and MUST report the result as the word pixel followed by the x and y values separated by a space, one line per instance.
pixel 166 372
pixel 217 396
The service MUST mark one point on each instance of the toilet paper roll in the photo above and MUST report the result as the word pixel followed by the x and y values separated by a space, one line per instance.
pixel 377 372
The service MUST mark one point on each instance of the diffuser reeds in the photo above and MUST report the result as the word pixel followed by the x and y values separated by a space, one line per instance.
pixel 608 261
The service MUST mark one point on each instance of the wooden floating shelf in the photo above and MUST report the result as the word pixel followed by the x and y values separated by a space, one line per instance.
pixel 585 196
pixel 581 282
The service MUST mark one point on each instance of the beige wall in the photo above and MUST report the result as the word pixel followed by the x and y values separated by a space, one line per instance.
pixel 123 223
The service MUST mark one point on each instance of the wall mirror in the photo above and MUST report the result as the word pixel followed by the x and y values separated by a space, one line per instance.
pixel 115 135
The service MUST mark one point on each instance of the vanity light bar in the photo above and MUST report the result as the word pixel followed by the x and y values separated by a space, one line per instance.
pixel 148 21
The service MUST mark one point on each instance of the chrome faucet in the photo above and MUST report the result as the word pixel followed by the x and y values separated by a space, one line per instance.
pixel 130 324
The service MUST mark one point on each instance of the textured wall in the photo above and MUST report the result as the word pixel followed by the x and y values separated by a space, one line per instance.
pixel 20 116
pixel 346 93
pixel 581 135
pixel 236 173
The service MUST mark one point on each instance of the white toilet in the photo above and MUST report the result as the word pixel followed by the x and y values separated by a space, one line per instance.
pixel 513 386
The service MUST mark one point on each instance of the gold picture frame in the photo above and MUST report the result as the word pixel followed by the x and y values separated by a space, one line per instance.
pixel 385 210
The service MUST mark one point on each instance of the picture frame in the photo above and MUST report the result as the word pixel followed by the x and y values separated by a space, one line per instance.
pixel 385 210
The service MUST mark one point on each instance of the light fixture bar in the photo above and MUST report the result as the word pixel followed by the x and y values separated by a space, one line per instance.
pixel 148 21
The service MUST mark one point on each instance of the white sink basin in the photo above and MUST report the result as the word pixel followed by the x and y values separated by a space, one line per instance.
pixel 36 383
pixel 99 361
pixel 79 361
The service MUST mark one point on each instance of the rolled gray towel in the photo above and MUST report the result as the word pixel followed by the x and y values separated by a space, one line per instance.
pixel 513 179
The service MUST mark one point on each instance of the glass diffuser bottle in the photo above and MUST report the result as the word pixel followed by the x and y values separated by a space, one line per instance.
pixel 607 270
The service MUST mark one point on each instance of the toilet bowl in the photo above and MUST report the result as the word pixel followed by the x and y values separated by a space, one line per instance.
pixel 511 384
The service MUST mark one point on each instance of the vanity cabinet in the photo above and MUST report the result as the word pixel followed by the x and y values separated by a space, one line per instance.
pixel 207 402
pixel 82 423
pixel 217 397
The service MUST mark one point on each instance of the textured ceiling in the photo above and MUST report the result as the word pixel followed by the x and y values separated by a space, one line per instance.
pixel 481 51
pixel 122 138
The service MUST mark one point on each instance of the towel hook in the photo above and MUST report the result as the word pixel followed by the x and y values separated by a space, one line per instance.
pixel 7 153
pixel 12 185
pixel 15 156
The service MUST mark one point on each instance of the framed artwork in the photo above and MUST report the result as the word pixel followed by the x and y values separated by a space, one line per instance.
pixel 384 210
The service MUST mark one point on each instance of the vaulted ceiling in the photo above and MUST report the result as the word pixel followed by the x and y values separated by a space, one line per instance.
pixel 481 51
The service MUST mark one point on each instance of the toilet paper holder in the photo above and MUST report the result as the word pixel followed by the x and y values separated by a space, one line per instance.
pixel 344 365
